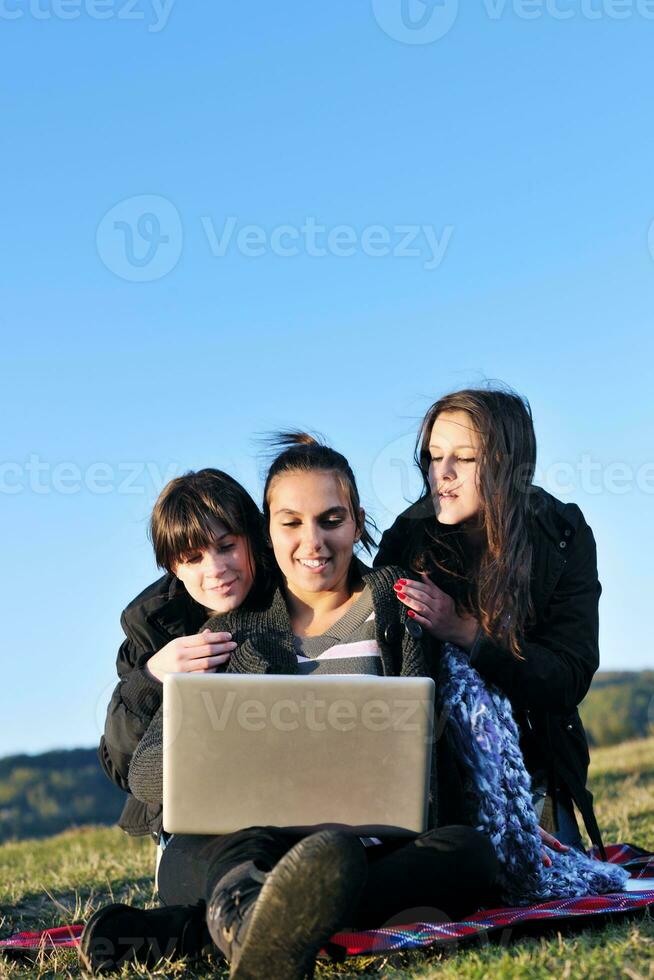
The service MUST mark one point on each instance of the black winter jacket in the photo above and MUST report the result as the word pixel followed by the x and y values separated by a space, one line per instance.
pixel 561 649
pixel 161 613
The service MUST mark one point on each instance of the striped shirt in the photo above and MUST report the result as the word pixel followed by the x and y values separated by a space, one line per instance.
pixel 349 646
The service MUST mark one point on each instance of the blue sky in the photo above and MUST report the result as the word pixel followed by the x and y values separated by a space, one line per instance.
pixel 224 218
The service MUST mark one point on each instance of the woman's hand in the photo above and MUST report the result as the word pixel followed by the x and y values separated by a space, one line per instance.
pixel 436 612
pixel 552 842
pixel 200 653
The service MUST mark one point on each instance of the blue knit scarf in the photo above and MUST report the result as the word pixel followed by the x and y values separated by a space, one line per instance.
pixel 498 793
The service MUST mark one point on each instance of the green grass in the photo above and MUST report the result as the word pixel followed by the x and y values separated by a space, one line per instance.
pixel 63 879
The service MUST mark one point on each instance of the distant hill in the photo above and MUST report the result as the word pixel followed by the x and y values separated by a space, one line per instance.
pixel 43 794
pixel 619 707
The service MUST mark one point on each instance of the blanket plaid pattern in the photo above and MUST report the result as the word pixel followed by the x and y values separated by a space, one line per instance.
pixel 420 935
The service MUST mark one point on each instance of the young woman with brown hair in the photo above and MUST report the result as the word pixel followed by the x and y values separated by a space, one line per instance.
pixel 509 574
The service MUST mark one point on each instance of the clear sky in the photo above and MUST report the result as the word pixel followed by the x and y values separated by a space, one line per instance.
pixel 221 218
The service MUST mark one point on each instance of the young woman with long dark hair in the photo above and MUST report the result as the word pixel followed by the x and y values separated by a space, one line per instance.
pixel 509 574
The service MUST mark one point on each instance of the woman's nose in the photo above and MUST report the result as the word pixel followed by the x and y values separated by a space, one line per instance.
pixel 214 563
pixel 447 468
pixel 312 538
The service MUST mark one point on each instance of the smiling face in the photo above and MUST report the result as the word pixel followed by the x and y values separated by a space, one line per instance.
pixel 313 531
pixel 219 576
pixel 454 449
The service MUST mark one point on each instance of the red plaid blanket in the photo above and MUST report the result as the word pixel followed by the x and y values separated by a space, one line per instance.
pixel 419 935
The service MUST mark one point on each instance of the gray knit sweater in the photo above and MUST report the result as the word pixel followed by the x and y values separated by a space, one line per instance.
pixel 266 646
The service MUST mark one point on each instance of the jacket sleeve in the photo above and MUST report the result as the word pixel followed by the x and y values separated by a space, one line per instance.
pixel 146 767
pixel 561 654
pixel 392 546
pixel 134 702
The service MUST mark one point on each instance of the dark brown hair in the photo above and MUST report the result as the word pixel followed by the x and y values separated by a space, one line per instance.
pixel 497 590
pixel 188 510
pixel 304 453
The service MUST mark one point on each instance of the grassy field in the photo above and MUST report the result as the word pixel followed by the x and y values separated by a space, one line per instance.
pixel 63 879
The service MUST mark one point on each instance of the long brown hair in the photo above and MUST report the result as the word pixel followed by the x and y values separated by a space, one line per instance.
pixel 497 576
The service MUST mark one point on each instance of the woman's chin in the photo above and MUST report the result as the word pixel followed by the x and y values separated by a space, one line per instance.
pixel 220 606
pixel 447 517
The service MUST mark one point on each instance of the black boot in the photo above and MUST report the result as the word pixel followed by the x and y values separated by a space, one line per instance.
pixel 273 924
pixel 118 934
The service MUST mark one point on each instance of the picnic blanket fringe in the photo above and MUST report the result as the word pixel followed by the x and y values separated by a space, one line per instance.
pixel 637 862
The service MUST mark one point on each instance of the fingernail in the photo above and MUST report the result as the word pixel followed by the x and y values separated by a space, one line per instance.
pixel 402 581
pixel 411 614
pixel 401 595
pixel 397 587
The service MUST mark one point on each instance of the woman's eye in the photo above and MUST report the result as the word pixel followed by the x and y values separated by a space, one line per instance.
pixel 227 547
pixel 192 560
pixel 335 523
pixel 290 523
pixel 467 459
pixel 436 459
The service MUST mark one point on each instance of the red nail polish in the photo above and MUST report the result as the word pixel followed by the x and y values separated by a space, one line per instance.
pixel 397 587
pixel 401 581
pixel 411 614
pixel 401 595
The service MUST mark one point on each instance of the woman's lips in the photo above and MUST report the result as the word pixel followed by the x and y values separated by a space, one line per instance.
pixel 316 565
pixel 222 589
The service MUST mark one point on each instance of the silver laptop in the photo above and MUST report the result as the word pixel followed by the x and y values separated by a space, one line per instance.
pixel 244 750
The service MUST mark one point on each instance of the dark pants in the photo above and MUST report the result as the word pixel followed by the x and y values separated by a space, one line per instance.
pixel 443 874
pixel 567 830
